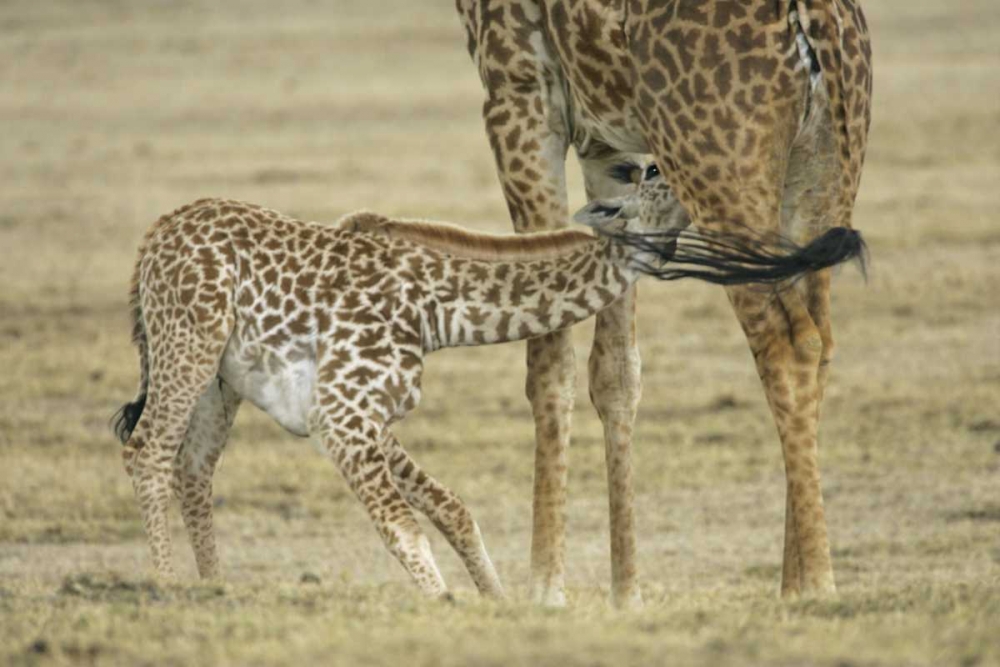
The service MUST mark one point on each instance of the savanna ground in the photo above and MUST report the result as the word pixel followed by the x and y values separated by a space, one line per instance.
pixel 114 113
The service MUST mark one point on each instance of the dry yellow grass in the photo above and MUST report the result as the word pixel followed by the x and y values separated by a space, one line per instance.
pixel 114 113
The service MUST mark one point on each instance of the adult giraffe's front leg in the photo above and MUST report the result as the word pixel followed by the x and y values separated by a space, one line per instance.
pixel 524 127
pixel 791 347
pixel 550 388
pixel 614 370
pixel 615 387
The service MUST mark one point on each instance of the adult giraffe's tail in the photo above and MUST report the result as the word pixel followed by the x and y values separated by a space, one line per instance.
pixel 738 259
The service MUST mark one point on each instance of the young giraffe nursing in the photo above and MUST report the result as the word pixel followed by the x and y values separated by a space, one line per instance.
pixel 326 327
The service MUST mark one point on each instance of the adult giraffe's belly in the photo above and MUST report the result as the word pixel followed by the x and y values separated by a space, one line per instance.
pixel 592 61
pixel 621 132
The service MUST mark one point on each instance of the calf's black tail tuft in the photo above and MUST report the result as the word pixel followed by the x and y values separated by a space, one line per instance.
pixel 124 421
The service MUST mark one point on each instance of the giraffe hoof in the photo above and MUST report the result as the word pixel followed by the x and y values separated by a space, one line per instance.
pixel 816 590
pixel 628 600
pixel 447 598
pixel 493 593
pixel 790 594
pixel 549 596
pixel 166 578
pixel 821 590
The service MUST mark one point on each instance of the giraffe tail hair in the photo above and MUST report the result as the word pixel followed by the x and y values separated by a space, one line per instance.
pixel 123 422
pixel 743 258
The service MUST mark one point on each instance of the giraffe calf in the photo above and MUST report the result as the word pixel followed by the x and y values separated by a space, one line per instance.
pixel 232 301
pixel 325 328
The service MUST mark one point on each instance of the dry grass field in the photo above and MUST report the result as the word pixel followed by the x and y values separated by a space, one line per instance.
pixel 115 112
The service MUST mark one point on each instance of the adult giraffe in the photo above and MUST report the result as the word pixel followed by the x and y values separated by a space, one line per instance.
pixel 757 113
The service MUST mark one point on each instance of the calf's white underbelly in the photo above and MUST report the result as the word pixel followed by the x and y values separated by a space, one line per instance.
pixel 286 394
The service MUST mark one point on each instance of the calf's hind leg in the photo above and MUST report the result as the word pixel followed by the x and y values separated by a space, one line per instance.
pixel 206 437
pixel 447 512
pixel 180 371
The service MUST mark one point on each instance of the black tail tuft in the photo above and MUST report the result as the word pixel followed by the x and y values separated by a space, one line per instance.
pixel 744 258
pixel 124 421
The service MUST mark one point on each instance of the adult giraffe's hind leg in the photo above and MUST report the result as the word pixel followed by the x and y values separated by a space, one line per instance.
pixel 206 437
pixel 788 349
pixel 817 296
pixel 615 388
pixel 790 334
pixel 447 512
pixel 732 154
pixel 811 201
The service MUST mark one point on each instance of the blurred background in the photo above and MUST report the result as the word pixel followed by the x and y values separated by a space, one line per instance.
pixel 114 113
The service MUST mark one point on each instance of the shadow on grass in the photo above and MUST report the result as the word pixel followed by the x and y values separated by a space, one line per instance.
pixel 112 587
